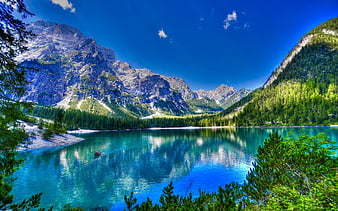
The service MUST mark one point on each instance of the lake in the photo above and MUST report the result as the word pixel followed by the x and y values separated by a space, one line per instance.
pixel 142 161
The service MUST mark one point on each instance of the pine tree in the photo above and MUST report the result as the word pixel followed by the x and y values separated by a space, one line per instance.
pixel 302 166
pixel 13 37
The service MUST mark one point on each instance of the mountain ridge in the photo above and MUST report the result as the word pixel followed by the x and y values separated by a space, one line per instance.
pixel 302 90
pixel 75 72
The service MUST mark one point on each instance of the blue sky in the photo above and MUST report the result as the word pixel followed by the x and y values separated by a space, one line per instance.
pixel 205 42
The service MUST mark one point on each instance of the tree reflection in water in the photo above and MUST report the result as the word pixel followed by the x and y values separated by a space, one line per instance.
pixel 137 161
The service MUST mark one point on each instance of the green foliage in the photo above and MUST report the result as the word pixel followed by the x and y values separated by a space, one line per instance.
pixel 231 100
pixel 168 200
pixel 323 196
pixel 292 103
pixel 302 167
pixel 224 199
pixel 48 60
pixel 138 109
pixel 130 202
pixel 75 119
pixel 121 112
pixel 205 105
pixel 109 76
pixel 168 107
pixel 289 174
pixel 68 207
pixel 13 37
pixel 48 133
pixel 53 128
pixel 92 105
pixel 40 124
pixel 328 25
pixel 33 202
pixel 241 103
pixel 58 126
pixel 9 140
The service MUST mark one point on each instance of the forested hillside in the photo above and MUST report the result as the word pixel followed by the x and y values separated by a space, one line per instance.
pixel 302 91
pixel 75 119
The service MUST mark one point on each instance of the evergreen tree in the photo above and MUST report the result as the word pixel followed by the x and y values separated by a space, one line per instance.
pixel 289 174
pixel 58 123
pixel 13 36
pixel 291 168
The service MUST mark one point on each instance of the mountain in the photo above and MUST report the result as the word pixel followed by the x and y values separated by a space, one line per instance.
pixel 216 100
pixel 223 95
pixel 73 71
pixel 220 93
pixel 303 90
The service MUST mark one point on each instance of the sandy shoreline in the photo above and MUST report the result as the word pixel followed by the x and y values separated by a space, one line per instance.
pixel 36 141
pixel 56 141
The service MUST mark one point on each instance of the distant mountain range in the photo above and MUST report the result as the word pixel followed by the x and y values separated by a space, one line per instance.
pixel 73 71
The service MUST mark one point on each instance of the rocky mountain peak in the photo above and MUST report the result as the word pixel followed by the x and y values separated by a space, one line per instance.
pixel 75 72
pixel 220 93
pixel 180 86
pixel 45 27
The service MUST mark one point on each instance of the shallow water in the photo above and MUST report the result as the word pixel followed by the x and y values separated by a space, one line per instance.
pixel 142 161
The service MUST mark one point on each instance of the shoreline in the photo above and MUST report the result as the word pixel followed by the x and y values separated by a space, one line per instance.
pixel 85 131
pixel 36 140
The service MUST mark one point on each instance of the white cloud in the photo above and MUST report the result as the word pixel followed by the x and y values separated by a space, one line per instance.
pixel 162 34
pixel 226 25
pixel 230 17
pixel 65 4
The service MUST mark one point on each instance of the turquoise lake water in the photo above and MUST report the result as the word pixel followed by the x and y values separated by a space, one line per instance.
pixel 142 161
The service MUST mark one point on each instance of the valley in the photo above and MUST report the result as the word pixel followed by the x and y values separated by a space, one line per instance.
pixel 86 127
pixel 100 92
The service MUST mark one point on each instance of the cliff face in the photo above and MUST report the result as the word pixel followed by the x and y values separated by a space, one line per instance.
pixel 73 71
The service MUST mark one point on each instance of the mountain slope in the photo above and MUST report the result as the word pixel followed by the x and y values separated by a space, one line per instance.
pixel 219 99
pixel 75 72
pixel 303 90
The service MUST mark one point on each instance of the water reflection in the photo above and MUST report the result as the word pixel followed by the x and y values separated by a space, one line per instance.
pixel 138 160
